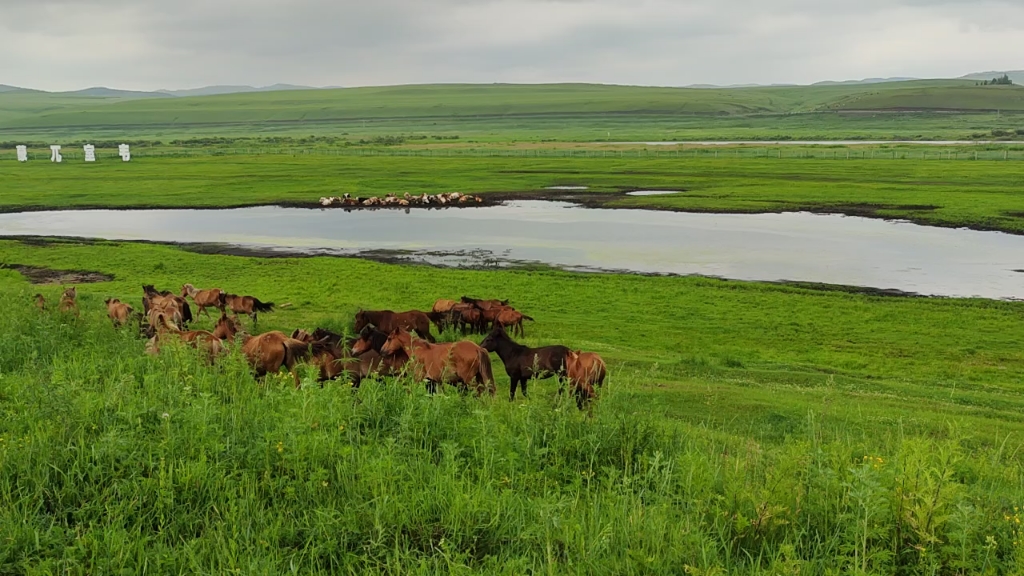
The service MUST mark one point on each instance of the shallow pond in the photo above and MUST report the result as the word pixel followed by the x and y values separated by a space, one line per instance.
pixel 793 246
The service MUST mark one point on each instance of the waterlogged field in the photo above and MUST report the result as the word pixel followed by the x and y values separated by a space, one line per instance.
pixel 983 194
pixel 746 428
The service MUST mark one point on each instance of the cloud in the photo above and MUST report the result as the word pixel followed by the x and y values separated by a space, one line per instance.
pixel 149 44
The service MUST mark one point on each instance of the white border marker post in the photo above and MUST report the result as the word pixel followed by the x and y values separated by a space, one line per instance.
pixel 55 154
pixel 90 152
pixel 124 152
pixel 22 153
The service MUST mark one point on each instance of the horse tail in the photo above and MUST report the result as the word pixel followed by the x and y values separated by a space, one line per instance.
pixel 297 350
pixel 186 312
pixel 261 307
pixel 486 373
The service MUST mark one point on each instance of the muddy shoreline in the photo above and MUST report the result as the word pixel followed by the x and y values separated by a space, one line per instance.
pixel 595 200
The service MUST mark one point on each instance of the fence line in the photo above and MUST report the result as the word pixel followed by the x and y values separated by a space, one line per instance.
pixel 766 153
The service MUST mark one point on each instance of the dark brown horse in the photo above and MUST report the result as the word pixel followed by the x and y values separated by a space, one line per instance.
pixel 462 363
pixel 248 305
pixel 522 363
pixel 388 321
pixel 337 362
pixel 484 304
pixel 373 340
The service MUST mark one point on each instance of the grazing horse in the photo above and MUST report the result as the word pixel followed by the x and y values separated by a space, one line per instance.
pixel 69 301
pixel 373 340
pixel 336 361
pixel 151 297
pixel 586 370
pixel 388 321
pixel 268 352
pixel 484 304
pixel 198 339
pixel 523 363
pixel 118 311
pixel 40 302
pixel 510 317
pixel 204 298
pixel 246 305
pixel 453 363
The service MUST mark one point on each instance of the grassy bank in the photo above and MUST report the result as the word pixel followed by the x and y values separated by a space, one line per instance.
pixel 747 428
pixel 981 194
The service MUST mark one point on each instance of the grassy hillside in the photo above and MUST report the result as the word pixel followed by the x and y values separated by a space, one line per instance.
pixel 746 429
pixel 982 194
pixel 551 108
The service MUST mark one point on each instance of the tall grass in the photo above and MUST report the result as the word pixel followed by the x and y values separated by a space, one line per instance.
pixel 115 462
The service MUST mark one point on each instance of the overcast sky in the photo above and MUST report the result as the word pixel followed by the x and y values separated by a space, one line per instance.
pixel 151 44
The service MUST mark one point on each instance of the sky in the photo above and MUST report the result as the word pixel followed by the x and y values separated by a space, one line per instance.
pixel 174 44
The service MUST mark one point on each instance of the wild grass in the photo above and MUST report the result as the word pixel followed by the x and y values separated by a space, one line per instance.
pixel 981 194
pixel 113 462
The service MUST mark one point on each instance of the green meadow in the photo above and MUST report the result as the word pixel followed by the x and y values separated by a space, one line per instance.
pixel 745 428
pixel 936 109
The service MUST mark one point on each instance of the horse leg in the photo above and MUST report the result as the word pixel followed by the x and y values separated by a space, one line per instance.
pixel 512 392
pixel 522 384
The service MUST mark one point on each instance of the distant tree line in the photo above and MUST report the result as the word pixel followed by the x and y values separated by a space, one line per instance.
pixel 1003 80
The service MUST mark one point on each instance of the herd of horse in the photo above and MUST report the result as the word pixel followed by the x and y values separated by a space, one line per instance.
pixel 387 343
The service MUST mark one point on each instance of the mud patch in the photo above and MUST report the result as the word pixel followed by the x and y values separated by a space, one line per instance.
pixel 41 275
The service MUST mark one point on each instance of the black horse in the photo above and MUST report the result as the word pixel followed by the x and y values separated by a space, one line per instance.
pixel 523 363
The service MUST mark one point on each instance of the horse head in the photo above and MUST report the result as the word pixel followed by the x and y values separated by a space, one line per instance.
pixel 397 341
pixel 498 334
pixel 362 321
pixel 187 289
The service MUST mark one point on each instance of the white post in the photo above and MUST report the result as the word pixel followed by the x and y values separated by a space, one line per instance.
pixel 124 152
pixel 55 154
pixel 90 152
pixel 22 153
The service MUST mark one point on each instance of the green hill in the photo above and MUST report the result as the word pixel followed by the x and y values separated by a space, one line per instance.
pixel 421 106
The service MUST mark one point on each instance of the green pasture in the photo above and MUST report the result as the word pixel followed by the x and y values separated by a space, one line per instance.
pixel 941 109
pixel 746 428
pixel 981 194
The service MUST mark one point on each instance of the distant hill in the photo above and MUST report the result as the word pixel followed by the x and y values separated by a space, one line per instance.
pixel 1016 75
pixel 101 92
pixel 218 90
pixel 6 88
pixel 864 81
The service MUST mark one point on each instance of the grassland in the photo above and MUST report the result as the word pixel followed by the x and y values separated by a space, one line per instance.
pixel 951 109
pixel 980 194
pixel 747 428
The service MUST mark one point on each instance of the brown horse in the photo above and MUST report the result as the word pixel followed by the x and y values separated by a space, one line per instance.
pixel 512 318
pixel 484 304
pixel 204 298
pixel 198 339
pixel 40 302
pixel 118 311
pixel 248 305
pixel 69 301
pixel 226 328
pixel 151 297
pixel 388 321
pixel 268 352
pixel 442 306
pixel 373 340
pixel 586 370
pixel 454 363
pixel 336 362
pixel 522 363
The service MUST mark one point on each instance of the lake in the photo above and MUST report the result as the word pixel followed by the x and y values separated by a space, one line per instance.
pixel 772 247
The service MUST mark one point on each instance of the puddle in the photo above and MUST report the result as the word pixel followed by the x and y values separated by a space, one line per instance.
pixel 653 192
pixel 577 188
pixel 41 275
